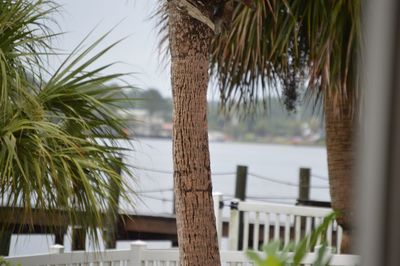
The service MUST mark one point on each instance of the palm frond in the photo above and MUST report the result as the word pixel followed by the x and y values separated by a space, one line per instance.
pixel 288 45
pixel 59 147
pixel 26 34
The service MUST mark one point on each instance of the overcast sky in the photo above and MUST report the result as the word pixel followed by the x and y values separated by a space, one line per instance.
pixel 138 52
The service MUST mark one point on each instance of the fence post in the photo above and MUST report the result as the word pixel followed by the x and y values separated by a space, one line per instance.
pixel 218 211
pixel 304 184
pixel 234 225
pixel 137 248
pixel 57 249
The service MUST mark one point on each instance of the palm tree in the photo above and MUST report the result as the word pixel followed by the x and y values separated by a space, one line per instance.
pixel 58 129
pixel 191 28
pixel 261 45
pixel 290 45
pixel 189 45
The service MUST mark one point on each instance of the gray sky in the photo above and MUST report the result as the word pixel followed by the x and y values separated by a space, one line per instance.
pixel 138 52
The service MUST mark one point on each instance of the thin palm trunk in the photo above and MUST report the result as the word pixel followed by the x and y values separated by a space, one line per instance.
pixel 189 43
pixel 339 143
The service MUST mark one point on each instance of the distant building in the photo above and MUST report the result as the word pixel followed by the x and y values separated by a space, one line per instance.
pixel 142 124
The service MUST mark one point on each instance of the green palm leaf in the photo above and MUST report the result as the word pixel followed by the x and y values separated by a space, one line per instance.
pixel 59 137
pixel 288 44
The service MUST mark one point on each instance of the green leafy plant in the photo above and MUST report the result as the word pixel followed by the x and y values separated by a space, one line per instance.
pixel 59 130
pixel 291 254
pixel 3 262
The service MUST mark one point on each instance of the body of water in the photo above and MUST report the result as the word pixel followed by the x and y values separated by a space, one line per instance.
pixel 273 171
pixel 273 175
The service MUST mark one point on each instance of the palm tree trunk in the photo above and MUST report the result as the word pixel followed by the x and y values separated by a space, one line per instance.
pixel 189 43
pixel 339 142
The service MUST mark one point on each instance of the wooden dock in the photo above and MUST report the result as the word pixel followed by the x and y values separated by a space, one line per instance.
pixel 129 226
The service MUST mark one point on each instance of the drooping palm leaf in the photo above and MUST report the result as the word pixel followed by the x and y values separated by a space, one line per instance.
pixel 285 44
pixel 58 137
pixel 25 36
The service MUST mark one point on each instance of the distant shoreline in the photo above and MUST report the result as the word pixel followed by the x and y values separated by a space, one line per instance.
pixel 285 142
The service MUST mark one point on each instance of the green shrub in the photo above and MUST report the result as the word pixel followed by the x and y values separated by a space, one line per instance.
pixel 292 254
pixel 3 262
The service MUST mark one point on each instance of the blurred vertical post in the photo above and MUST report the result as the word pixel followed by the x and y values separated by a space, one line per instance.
pixel 78 238
pixel 59 236
pixel 304 185
pixel 241 182
pixel 304 190
pixel 5 241
pixel 378 215
pixel 240 193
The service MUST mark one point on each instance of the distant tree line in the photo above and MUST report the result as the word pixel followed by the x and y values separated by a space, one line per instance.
pixel 265 125
pixel 268 124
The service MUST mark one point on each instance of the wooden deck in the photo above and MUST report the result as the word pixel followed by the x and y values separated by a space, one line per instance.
pixel 130 226
pixel 139 226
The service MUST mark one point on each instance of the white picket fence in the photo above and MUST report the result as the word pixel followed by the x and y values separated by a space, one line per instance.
pixel 290 223
pixel 139 255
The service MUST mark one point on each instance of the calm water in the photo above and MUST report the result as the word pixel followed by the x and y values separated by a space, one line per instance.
pixel 269 161
pixel 277 162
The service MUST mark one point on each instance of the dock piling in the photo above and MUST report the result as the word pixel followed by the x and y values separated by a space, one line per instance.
pixel 304 184
pixel 240 193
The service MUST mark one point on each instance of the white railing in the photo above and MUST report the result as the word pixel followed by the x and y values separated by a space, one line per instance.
pixel 57 257
pixel 288 223
pixel 139 255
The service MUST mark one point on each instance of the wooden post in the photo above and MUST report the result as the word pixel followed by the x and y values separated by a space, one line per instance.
pixel 304 184
pixel 5 241
pixel 78 241
pixel 59 236
pixel 112 215
pixel 137 248
pixel 241 181
pixel 240 193
pixel 304 190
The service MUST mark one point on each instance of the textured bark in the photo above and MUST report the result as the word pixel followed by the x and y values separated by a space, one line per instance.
pixel 339 142
pixel 189 43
